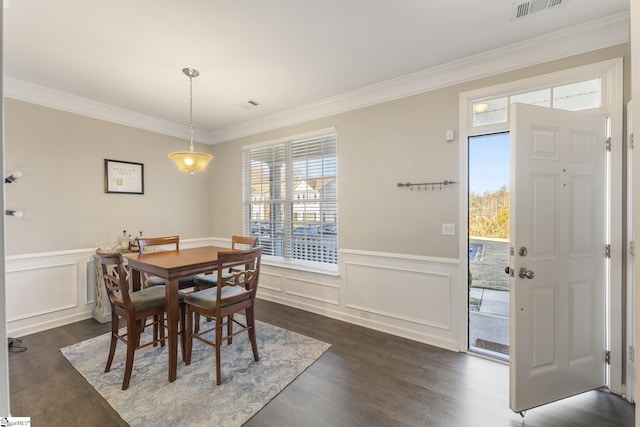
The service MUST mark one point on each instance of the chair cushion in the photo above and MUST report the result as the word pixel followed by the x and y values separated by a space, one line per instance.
pixel 206 281
pixel 150 298
pixel 185 282
pixel 207 298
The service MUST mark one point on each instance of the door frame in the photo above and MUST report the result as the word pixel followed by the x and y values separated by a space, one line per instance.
pixel 611 74
pixel 630 386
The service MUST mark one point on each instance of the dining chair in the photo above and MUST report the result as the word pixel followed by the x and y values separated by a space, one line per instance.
pixel 135 308
pixel 235 292
pixel 210 280
pixel 145 243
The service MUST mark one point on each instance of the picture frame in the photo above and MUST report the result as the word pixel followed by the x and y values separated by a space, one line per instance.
pixel 123 177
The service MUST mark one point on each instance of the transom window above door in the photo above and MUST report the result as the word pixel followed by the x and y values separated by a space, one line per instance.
pixel 582 95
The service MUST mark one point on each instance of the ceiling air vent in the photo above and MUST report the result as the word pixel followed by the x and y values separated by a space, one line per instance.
pixel 525 8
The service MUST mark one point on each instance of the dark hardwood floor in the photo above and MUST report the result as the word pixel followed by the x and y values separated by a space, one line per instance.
pixel 366 378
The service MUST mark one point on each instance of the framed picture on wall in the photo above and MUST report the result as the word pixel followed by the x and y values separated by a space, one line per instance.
pixel 123 177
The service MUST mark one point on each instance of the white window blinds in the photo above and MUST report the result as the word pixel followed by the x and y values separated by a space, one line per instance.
pixel 291 197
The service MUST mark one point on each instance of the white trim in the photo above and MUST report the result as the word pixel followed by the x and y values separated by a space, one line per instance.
pixel 392 256
pixel 593 35
pixel 41 95
pixel 612 73
pixel 615 104
pixel 358 295
pixel 330 269
pixel 630 387
pixel 597 34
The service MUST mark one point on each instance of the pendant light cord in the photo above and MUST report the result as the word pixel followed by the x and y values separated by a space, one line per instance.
pixel 191 148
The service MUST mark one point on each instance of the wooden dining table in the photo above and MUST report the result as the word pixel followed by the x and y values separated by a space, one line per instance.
pixel 172 266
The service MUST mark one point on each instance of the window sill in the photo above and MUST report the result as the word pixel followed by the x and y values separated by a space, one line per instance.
pixel 302 267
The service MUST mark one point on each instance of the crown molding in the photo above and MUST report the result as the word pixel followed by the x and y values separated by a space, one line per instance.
pixel 598 34
pixel 593 35
pixel 47 97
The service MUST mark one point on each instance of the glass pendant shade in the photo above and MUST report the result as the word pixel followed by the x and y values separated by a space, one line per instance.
pixel 191 161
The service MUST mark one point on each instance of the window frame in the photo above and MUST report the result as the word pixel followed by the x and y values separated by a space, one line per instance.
pixel 288 202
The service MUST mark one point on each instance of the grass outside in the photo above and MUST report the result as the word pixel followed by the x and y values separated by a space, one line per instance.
pixel 487 267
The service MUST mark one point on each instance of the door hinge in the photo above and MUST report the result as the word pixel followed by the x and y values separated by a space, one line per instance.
pixel 632 354
pixel 607 251
pixel 632 248
pixel 631 141
pixel 607 144
pixel 607 357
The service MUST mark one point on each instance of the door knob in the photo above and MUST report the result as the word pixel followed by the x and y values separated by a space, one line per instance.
pixel 526 274
pixel 507 269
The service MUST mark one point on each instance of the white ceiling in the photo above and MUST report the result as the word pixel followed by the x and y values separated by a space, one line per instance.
pixel 284 54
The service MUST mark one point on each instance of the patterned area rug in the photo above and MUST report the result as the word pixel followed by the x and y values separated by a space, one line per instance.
pixel 194 399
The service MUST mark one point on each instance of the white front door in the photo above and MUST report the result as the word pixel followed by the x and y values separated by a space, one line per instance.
pixel 558 262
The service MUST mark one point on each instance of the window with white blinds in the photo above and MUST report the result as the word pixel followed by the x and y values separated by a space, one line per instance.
pixel 290 198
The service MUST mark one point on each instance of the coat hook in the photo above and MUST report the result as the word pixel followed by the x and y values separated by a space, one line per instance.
pixel 419 186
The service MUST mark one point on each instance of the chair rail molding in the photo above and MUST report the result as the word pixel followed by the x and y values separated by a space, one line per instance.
pixel 50 289
pixel 405 295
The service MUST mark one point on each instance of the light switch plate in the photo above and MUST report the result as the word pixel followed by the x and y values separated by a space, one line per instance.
pixel 448 229
pixel 450 135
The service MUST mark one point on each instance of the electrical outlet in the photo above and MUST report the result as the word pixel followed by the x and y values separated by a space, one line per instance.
pixel 448 229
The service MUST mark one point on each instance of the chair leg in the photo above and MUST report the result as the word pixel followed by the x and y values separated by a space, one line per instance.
pixel 133 331
pixel 251 324
pixel 160 326
pixel 218 345
pixel 156 331
pixel 183 332
pixel 230 329
pixel 114 340
pixel 189 334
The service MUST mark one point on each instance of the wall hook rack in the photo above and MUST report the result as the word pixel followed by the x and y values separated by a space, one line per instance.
pixel 426 185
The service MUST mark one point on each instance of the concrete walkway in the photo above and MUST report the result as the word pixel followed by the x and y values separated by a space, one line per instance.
pixel 492 301
pixel 489 326
pixel 489 296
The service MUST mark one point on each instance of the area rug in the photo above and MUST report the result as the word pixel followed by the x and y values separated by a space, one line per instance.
pixel 194 399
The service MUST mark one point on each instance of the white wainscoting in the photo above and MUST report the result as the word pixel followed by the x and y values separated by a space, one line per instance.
pixel 47 290
pixel 410 296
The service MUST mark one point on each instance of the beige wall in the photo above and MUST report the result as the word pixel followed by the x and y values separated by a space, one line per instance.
pixel 379 146
pixel 62 190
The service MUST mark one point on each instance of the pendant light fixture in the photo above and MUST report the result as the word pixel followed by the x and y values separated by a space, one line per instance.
pixel 191 161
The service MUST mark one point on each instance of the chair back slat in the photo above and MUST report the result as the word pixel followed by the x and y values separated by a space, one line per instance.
pixel 243 242
pixel 145 242
pixel 247 278
pixel 114 276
